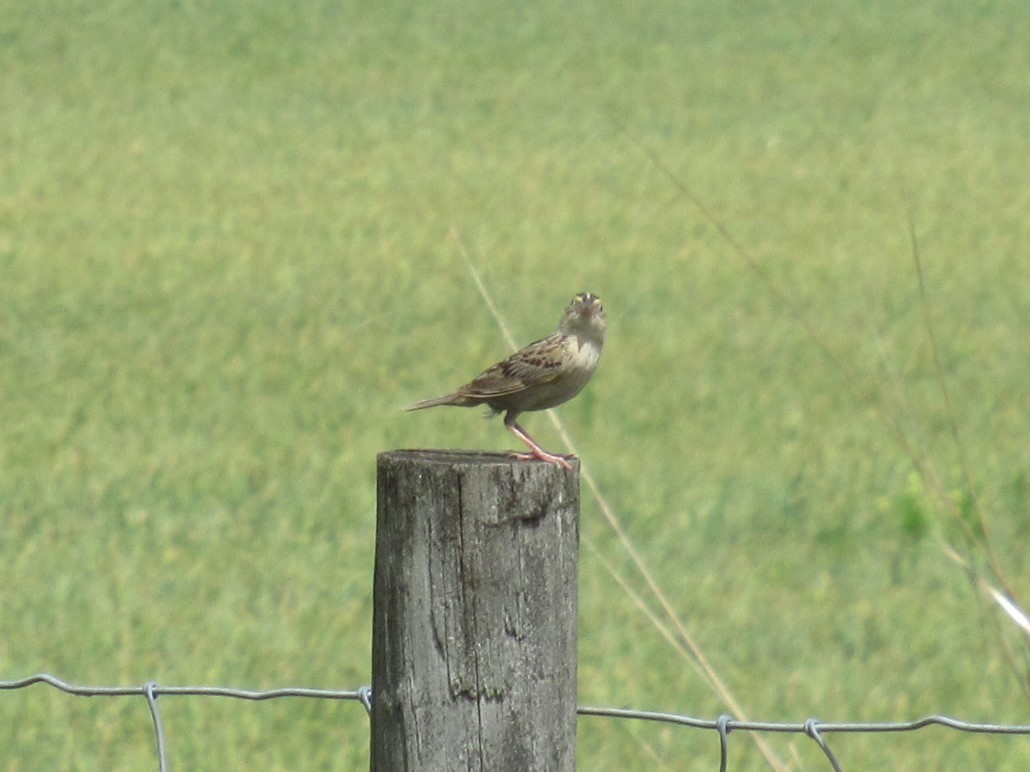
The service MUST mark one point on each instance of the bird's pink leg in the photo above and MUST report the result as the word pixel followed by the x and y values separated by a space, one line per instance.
pixel 538 452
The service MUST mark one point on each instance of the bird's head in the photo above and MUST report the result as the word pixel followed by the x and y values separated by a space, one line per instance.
pixel 585 317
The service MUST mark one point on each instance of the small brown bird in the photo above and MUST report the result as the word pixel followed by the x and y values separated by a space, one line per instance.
pixel 544 374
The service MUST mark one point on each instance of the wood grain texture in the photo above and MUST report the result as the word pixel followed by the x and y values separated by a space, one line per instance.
pixel 475 613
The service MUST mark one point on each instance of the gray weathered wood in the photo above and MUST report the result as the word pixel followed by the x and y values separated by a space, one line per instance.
pixel 474 613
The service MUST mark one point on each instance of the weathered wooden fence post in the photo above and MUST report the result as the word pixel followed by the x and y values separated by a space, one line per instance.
pixel 474 614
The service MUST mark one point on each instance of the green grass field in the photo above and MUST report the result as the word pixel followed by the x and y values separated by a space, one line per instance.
pixel 230 252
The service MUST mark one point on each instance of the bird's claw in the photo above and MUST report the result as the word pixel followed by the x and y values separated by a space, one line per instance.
pixel 543 455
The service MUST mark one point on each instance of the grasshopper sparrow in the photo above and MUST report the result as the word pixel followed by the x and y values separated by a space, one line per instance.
pixel 544 374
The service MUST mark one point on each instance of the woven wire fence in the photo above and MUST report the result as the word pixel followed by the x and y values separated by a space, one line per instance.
pixel 812 728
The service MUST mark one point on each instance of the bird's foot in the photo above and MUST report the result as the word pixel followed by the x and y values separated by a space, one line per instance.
pixel 539 454
pixel 536 452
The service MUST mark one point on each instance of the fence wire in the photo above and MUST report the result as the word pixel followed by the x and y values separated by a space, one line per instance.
pixel 812 728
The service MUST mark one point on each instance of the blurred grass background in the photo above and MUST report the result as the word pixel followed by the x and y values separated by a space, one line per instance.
pixel 229 254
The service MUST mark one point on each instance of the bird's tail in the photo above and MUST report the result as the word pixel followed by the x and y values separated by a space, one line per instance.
pixel 434 402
